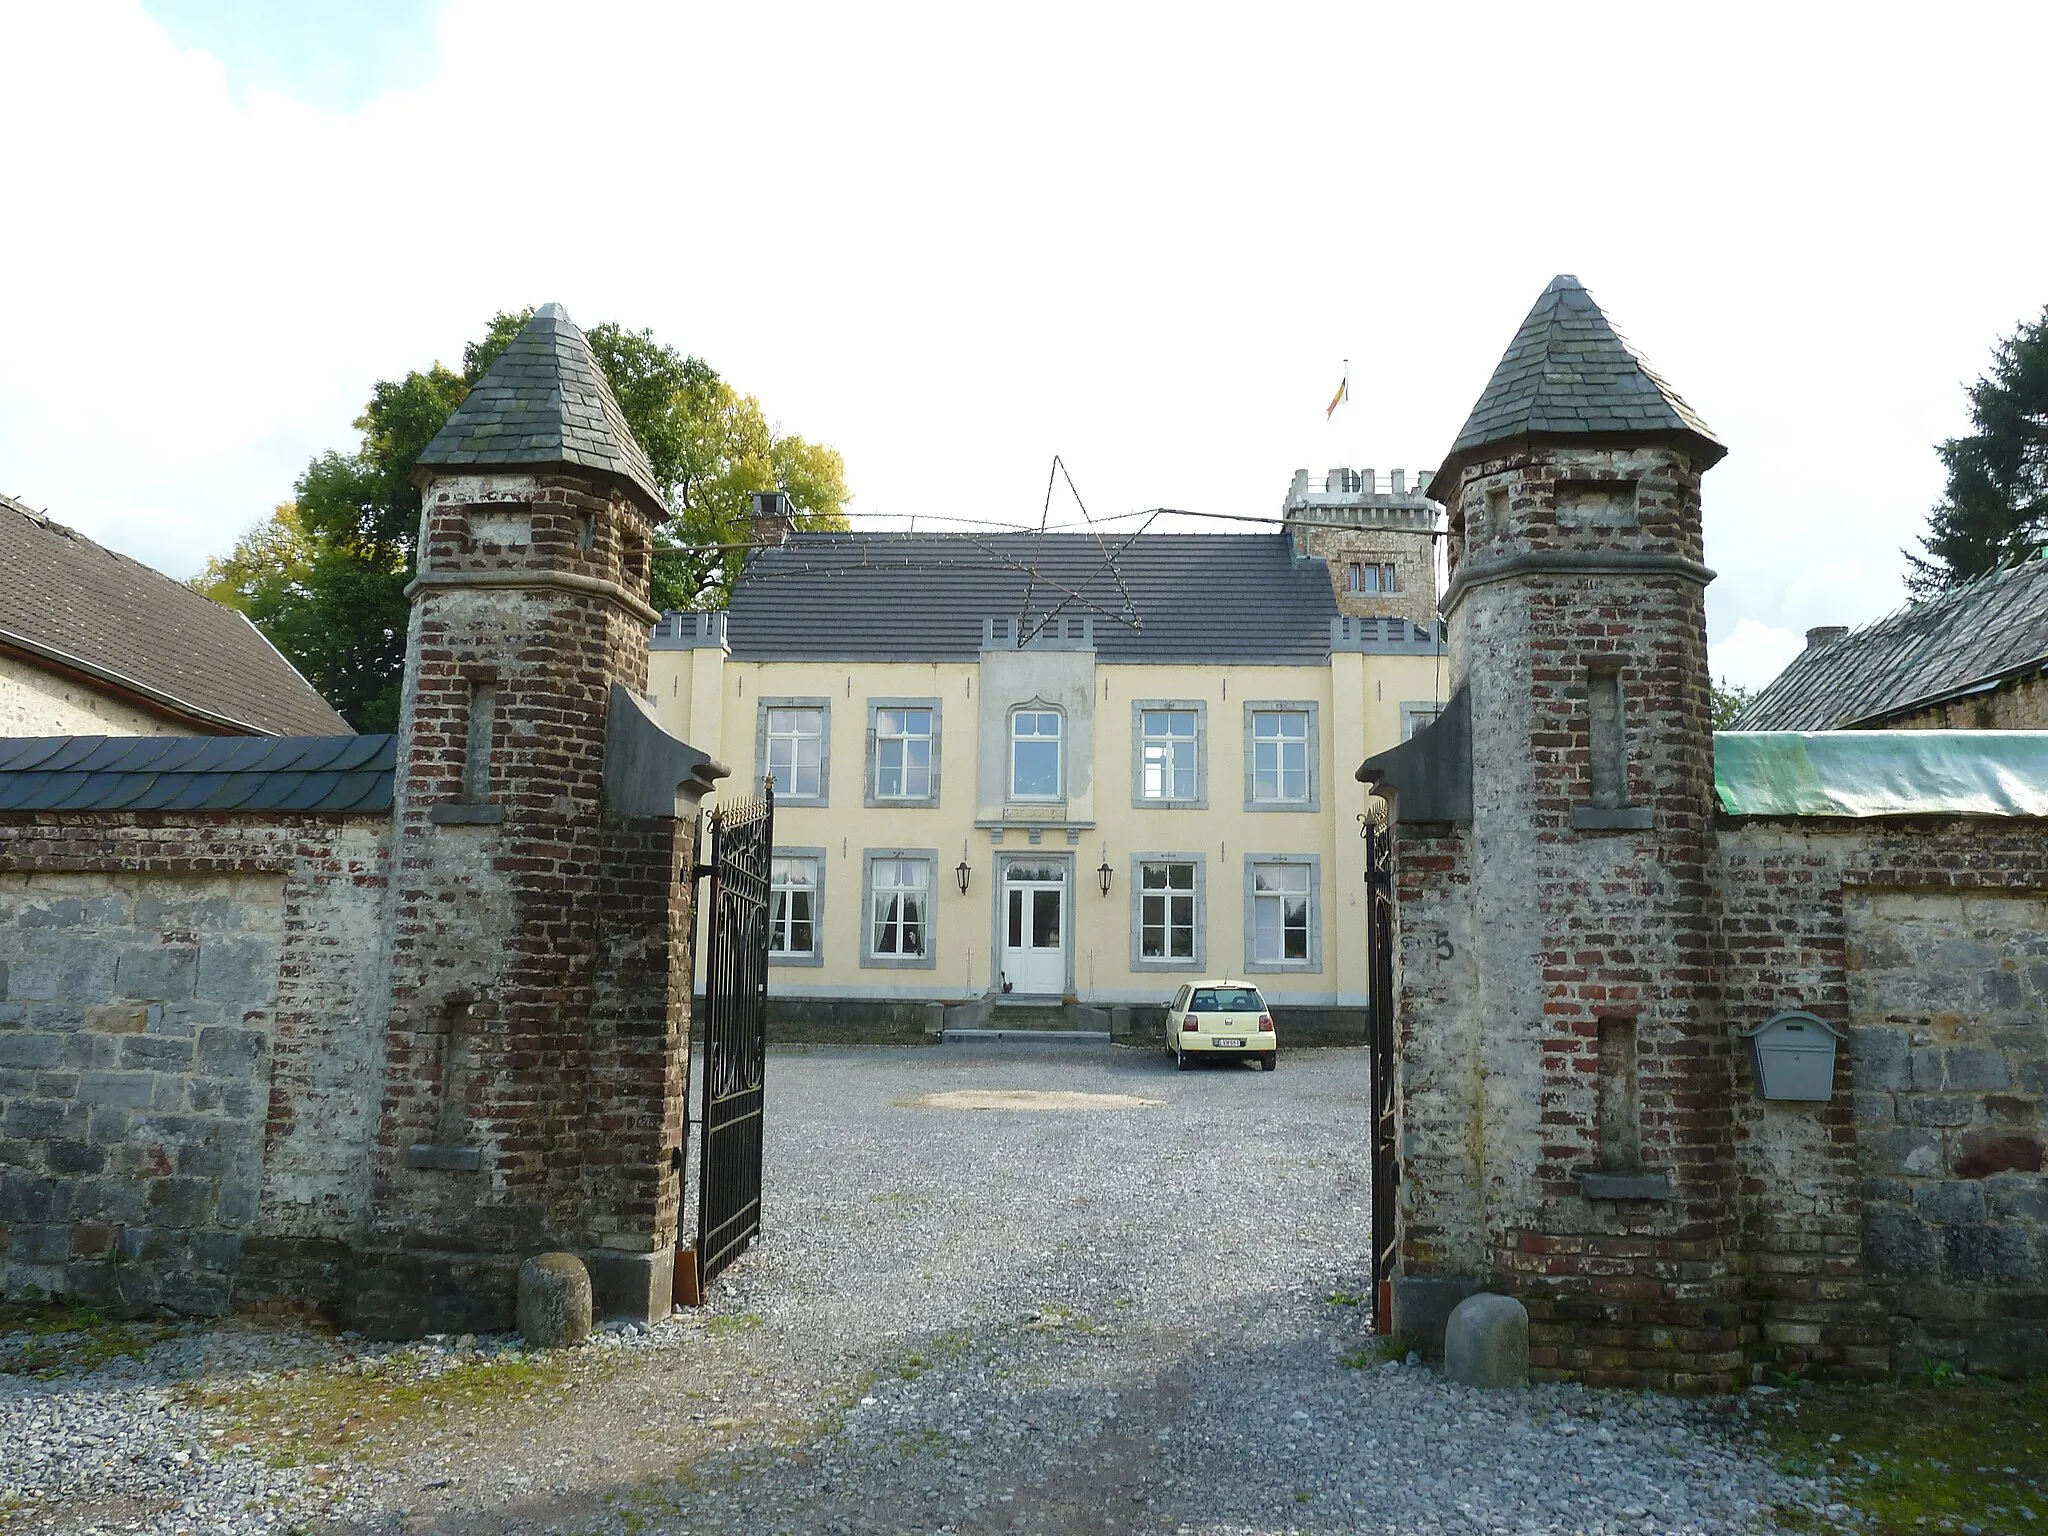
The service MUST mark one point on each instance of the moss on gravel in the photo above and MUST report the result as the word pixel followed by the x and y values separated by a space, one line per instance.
pixel 48 1339
pixel 373 1409
pixel 1920 1457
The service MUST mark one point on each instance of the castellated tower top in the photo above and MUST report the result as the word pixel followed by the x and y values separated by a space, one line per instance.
pixel 544 401
pixel 1569 377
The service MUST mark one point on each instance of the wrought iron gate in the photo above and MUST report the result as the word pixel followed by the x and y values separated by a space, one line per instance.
pixel 1386 1166
pixel 735 1031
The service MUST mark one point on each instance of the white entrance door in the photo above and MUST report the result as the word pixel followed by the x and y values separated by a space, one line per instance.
pixel 1035 929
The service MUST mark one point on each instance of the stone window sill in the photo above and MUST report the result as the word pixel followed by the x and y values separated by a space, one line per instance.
pixel 1625 1186
pixel 1617 818
pixel 465 815
pixel 447 1159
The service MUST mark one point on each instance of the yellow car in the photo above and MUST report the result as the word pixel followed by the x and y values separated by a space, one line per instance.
pixel 1220 1018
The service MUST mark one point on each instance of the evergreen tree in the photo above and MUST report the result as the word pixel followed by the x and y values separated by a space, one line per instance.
pixel 1996 507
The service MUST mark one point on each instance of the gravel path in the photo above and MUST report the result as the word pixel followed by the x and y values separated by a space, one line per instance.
pixel 1137 1318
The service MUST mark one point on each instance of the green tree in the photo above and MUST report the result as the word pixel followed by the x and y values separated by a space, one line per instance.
pixel 1729 700
pixel 1995 510
pixel 325 576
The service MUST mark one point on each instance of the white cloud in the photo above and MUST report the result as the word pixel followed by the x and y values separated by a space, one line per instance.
pixel 1752 654
pixel 952 242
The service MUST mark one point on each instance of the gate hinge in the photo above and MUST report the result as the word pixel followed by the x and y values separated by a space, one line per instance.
pixel 675 1158
pixel 698 872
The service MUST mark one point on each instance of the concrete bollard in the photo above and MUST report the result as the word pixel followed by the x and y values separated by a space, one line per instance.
pixel 554 1300
pixel 1486 1342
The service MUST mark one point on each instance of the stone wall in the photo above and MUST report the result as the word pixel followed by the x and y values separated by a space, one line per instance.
pixel 1907 1218
pixel 2018 705
pixel 186 1054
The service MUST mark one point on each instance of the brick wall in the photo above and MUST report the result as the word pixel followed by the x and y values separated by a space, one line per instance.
pixel 1587 916
pixel 1907 1218
pixel 534 1055
pixel 186 1053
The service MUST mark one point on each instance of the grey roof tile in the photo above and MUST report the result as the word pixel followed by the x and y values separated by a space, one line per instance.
pixel 544 401
pixel 1569 371
pixel 888 597
pixel 182 773
pixel 70 603
pixel 1915 658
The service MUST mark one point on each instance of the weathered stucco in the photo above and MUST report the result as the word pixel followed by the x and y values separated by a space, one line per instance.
pixel 37 702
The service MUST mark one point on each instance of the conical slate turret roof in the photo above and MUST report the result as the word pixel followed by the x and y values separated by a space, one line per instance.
pixel 544 401
pixel 1568 373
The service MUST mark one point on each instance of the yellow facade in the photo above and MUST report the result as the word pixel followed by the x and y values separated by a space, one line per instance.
pixel 715 702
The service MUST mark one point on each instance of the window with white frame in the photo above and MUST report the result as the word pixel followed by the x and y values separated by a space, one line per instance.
pixel 794 739
pixel 1035 741
pixel 1281 921
pixel 793 907
pixel 900 908
pixel 1373 578
pixel 903 754
pixel 1167 922
pixel 1280 756
pixel 1167 748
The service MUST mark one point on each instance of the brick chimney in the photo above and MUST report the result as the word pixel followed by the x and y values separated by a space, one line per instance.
pixel 1825 634
pixel 773 522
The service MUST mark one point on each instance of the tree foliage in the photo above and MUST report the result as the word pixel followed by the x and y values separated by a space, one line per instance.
pixel 325 576
pixel 1729 699
pixel 1995 510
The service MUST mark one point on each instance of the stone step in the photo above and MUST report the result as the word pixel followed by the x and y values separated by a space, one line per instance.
pixel 1029 1016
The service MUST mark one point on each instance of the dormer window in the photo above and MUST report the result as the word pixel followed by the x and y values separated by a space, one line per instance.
pixel 1035 762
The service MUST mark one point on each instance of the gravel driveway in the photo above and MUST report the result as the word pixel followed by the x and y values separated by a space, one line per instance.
pixel 1131 1318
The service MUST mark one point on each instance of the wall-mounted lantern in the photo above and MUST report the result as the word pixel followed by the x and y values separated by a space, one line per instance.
pixel 1794 1056
pixel 963 874
pixel 1103 873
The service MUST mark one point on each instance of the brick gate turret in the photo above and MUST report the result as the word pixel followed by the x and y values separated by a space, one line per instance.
pixel 1565 1067
pixel 537 1034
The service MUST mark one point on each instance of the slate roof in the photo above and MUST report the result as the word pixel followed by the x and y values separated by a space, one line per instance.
pixel 1569 373
pixel 891 597
pixel 1959 643
pixel 197 773
pixel 70 603
pixel 544 401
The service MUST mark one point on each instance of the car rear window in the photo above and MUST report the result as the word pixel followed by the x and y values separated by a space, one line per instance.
pixel 1227 1000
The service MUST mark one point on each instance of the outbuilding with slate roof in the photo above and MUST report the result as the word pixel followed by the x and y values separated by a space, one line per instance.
pixel 1975 658
pixel 93 641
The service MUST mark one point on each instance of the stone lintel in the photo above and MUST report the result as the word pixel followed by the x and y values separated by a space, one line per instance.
pixel 1616 818
pixel 448 1159
pixel 1625 1186
pixel 462 815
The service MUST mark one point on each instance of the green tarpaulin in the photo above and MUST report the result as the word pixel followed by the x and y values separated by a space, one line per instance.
pixel 1882 773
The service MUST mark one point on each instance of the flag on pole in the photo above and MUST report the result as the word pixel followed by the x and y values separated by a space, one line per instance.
pixel 1343 394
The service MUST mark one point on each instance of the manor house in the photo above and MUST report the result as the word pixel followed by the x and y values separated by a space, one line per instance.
pixel 1019 770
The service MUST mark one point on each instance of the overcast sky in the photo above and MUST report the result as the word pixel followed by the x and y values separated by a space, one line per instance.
pixel 954 241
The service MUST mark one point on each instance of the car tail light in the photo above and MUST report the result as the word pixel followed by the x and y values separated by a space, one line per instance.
pixel 1188 1026
pixel 1265 1023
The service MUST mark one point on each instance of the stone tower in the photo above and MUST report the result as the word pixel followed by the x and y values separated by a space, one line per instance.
pixel 536 1039
pixel 1379 544
pixel 1565 1068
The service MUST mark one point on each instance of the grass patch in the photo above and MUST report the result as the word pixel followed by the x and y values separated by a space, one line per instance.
pixel 322 1413
pixel 64 1339
pixel 724 1324
pixel 1925 1455
pixel 1344 1299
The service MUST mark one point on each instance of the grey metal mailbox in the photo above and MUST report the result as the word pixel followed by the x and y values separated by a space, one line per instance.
pixel 1794 1055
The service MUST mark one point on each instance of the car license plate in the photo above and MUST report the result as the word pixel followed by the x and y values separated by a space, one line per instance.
pixel 1229 1045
